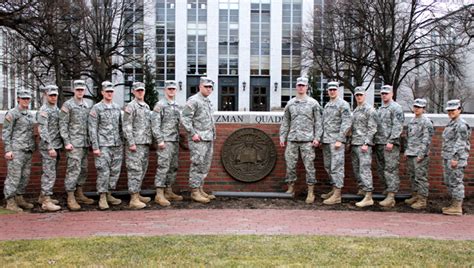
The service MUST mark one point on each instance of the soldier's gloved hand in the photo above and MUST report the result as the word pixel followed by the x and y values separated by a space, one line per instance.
pixel 196 138
pixel 454 163
pixel 389 147
pixel 9 156
pixel 133 148
pixel 315 143
pixel 96 152
pixel 162 145
pixel 337 145
pixel 52 153
pixel 69 147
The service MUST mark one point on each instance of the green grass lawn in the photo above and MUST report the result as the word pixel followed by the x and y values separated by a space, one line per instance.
pixel 5 211
pixel 236 250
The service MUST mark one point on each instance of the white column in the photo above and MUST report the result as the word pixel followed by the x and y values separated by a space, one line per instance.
pixel 244 55
pixel 181 47
pixel 213 48
pixel 276 13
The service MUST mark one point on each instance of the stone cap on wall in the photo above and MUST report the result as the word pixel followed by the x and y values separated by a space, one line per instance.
pixel 439 120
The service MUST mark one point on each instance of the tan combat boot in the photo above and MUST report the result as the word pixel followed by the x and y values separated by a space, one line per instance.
pixel 420 202
pixel 48 204
pixel 196 196
pixel 334 199
pixel 160 197
pixel 71 202
pixel 326 196
pixel 291 188
pixel 412 199
pixel 135 202
pixel 389 201
pixel 112 200
pixel 21 202
pixel 206 195
pixel 81 198
pixel 103 204
pixel 367 201
pixel 310 197
pixel 454 209
pixel 11 205
pixel 143 199
pixel 172 196
pixel 41 198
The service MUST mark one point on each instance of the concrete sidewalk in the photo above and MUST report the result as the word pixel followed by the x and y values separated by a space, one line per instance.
pixel 234 221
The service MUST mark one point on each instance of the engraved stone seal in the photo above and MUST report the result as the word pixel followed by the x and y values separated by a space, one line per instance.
pixel 248 155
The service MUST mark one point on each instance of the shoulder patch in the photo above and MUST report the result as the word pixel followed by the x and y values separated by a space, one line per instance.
pixel 65 109
pixel 44 114
pixel 127 109
pixel 157 108
pixel 9 117
pixel 93 114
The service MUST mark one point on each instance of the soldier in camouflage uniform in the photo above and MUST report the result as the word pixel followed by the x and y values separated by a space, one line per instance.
pixel 137 132
pixel 165 126
pixel 390 120
pixel 73 128
pixel 301 128
pixel 105 132
pixel 50 144
pixel 455 152
pixel 19 144
pixel 198 121
pixel 364 128
pixel 336 125
pixel 419 134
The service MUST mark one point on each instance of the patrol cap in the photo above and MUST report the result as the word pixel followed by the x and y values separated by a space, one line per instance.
pixel 453 105
pixel 359 91
pixel 302 81
pixel 138 85
pixel 51 90
pixel 24 93
pixel 333 85
pixel 386 89
pixel 420 103
pixel 170 84
pixel 206 81
pixel 79 84
pixel 107 86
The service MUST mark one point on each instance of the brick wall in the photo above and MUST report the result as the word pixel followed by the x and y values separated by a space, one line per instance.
pixel 218 178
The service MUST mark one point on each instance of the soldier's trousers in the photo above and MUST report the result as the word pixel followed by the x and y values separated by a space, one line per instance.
pixel 388 163
pixel 418 174
pixel 137 165
pixel 454 180
pixel 19 170
pixel 167 164
pixel 76 172
pixel 201 159
pixel 334 164
pixel 108 166
pixel 306 150
pixel 48 176
pixel 362 166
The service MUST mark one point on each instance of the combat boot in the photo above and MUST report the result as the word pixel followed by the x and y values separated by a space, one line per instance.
pixel 310 197
pixel 11 205
pixel 412 199
pixel 420 203
pixel 206 195
pixel 454 209
pixel 48 204
pixel 196 196
pixel 41 199
pixel 367 201
pixel 361 192
pixel 326 196
pixel 335 198
pixel 103 201
pixel 71 202
pixel 21 202
pixel 135 202
pixel 389 201
pixel 291 188
pixel 172 196
pixel 160 198
pixel 81 198
pixel 112 200
pixel 143 199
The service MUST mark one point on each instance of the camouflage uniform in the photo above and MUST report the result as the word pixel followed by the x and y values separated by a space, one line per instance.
pixel 336 124
pixel 48 119
pixel 300 126
pixel 73 129
pixel 105 132
pixel 390 120
pixel 198 119
pixel 137 131
pixel 456 146
pixel 364 128
pixel 18 138
pixel 420 132
pixel 165 125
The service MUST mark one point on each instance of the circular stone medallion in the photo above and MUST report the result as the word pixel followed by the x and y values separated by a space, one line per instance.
pixel 248 155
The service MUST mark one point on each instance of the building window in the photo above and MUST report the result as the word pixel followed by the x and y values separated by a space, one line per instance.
pixel 165 41
pixel 131 75
pixel 378 83
pixel 260 37
pixel 197 36
pixel 229 37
